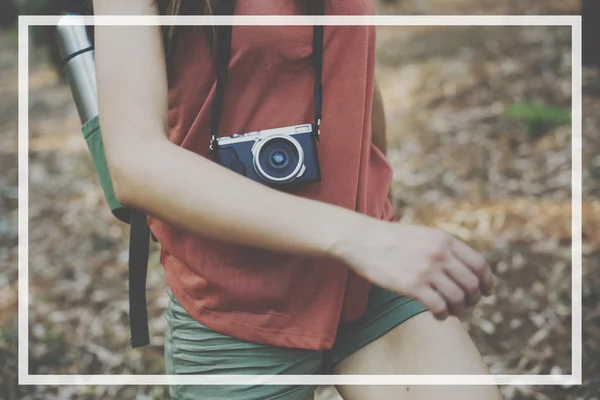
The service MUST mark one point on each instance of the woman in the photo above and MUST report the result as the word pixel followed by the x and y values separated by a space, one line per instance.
pixel 266 281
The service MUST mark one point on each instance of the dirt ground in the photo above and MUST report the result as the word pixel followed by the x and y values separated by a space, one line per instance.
pixel 466 160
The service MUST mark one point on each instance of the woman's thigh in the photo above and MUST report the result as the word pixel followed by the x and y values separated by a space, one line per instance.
pixel 193 349
pixel 421 345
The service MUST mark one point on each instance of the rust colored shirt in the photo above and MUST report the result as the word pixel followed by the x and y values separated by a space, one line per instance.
pixel 257 295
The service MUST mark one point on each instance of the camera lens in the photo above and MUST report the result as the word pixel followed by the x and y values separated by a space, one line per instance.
pixel 279 159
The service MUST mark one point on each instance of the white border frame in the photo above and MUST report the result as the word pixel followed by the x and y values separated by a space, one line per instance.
pixel 451 20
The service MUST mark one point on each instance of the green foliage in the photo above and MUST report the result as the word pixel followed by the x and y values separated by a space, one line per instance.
pixel 538 119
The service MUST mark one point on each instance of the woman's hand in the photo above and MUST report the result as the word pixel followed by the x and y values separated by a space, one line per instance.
pixel 422 263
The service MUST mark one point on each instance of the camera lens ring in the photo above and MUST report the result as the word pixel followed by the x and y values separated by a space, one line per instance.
pixel 262 173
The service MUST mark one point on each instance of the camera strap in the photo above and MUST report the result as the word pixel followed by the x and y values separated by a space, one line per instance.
pixel 318 61
pixel 223 54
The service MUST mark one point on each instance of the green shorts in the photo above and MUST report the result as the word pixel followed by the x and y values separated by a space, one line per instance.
pixel 192 348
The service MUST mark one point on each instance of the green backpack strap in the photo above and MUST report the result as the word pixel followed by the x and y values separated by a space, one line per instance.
pixel 93 138
pixel 139 237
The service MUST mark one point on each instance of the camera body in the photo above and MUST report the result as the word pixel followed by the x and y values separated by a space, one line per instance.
pixel 275 157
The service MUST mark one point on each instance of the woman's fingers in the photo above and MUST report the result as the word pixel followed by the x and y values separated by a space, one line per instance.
pixel 466 279
pixel 450 291
pixel 476 263
pixel 433 301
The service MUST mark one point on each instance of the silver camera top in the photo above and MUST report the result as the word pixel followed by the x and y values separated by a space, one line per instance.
pixel 259 135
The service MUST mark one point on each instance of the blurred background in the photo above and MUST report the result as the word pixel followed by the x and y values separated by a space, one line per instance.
pixel 480 140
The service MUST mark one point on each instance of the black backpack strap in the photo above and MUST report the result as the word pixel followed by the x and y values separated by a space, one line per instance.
pixel 139 246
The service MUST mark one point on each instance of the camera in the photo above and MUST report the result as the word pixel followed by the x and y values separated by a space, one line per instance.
pixel 275 157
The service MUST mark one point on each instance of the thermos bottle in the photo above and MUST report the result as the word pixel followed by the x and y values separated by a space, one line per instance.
pixel 77 53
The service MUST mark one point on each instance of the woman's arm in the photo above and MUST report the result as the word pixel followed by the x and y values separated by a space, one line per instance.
pixel 201 197
pixel 184 189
